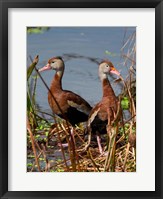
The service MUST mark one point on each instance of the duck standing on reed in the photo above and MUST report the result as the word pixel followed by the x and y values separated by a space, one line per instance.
pixel 106 109
pixel 65 103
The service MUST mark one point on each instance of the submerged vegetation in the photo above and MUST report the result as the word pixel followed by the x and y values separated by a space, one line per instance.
pixel 45 139
pixel 37 30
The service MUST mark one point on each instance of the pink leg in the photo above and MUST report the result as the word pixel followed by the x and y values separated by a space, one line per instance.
pixel 72 134
pixel 63 145
pixel 99 144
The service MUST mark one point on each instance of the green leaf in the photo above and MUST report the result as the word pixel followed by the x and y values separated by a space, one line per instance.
pixel 41 127
pixel 29 165
pixel 37 136
pixel 31 67
pixel 110 53
pixel 41 159
pixel 46 133
pixel 125 103
pixel 29 105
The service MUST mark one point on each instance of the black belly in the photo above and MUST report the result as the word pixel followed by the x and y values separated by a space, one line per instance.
pixel 99 126
pixel 74 116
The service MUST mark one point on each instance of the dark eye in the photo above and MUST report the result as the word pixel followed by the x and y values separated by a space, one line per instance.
pixel 107 65
pixel 53 62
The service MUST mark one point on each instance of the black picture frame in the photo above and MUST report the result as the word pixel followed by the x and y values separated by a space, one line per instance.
pixel 4 69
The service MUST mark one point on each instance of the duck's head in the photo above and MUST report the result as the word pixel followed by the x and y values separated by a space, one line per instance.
pixel 105 68
pixel 55 63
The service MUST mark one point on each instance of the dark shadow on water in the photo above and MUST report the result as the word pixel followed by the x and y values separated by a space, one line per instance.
pixel 70 56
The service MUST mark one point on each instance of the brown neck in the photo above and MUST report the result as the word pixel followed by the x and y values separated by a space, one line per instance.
pixel 107 89
pixel 56 84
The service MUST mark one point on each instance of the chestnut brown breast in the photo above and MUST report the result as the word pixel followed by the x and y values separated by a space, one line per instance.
pixel 73 106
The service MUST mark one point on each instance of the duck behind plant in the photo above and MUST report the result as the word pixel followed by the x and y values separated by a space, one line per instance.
pixel 106 108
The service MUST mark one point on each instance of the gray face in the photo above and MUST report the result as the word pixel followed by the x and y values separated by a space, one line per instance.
pixel 104 68
pixel 56 64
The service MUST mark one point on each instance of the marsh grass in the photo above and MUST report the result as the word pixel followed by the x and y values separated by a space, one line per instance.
pixel 45 140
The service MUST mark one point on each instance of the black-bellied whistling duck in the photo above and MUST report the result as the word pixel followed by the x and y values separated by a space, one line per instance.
pixel 72 107
pixel 106 108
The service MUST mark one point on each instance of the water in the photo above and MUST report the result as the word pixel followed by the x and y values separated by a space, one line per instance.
pixel 81 74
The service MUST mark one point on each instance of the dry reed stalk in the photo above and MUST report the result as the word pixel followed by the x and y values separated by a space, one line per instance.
pixel 68 142
pixel 42 151
pixel 92 160
pixel 34 163
pixel 112 131
pixel 33 144
pixel 125 159
pixel 63 153
pixel 45 157
pixel 123 136
pixel 111 148
pixel 129 58
pixel 134 156
pixel 76 133
pixel 120 139
pixel 129 119
pixel 70 146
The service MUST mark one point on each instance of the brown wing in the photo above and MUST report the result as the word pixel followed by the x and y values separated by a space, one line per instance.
pixel 74 107
pixel 77 102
